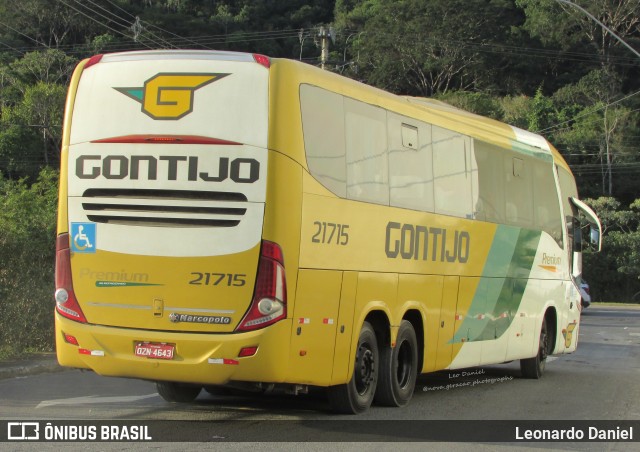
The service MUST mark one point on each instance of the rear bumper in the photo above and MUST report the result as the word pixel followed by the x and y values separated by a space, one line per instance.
pixel 199 357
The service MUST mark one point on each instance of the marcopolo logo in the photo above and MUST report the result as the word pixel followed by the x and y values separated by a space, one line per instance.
pixel 169 95
pixel 214 319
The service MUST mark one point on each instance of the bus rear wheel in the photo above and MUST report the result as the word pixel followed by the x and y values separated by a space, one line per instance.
pixel 357 395
pixel 177 392
pixel 398 368
pixel 534 367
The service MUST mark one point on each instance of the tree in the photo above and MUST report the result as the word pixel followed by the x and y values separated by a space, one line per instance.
pixel 50 66
pixel 31 113
pixel 478 103
pixel 594 124
pixel 422 48
pixel 27 252
pixel 45 23
pixel 616 270
pixel 559 25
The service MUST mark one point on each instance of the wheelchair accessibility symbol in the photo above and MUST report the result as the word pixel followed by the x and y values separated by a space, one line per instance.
pixel 83 237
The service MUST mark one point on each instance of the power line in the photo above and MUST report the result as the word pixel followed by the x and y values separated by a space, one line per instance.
pixel 238 37
pixel 151 25
pixel 111 13
pixel 557 126
pixel 97 21
pixel 126 24
pixel 566 2
pixel 201 41
pixel 22 34
pixel 12 48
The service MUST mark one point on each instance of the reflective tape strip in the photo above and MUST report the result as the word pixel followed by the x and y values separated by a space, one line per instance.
pixel 84 351
pixel 327 321
pixel 304 320
pixel 223 361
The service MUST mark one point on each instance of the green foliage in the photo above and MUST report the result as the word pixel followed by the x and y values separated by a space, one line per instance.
pixel 31 113
pixel 19 151
pixel 541 112
pixel 422 48
pixel 50 66
pixel 27 254
pixel 516 110
pixel 101 43
pixel 596 133
pixel 479 103
pixel 542 22
pixel 614 273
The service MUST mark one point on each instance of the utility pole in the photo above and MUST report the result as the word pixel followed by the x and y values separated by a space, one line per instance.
pixel 324 36
pixel 136 28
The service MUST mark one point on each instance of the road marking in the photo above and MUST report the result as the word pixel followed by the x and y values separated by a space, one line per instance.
pixel 93 400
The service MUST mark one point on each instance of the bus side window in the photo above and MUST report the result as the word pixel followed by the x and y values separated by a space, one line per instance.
pixel 452 173
pixel 366 149
pixel 410 168
pixel 323 128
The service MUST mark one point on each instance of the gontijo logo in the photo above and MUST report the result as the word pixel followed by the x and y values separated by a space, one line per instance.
pixel 169 95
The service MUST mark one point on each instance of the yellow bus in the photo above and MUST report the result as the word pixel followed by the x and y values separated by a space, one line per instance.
pixel 231 219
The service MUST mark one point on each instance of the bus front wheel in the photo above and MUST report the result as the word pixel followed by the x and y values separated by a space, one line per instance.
pixel 398 368
pixel 534 367
pixel 356 396
pixel 177 392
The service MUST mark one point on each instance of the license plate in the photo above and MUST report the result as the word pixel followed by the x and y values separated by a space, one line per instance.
pixel 154 350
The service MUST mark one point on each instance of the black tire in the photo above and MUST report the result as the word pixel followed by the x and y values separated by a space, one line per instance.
pixel 357 395
pixel 177 392
pixel 218 390
pixel 398 368
pixel 534 367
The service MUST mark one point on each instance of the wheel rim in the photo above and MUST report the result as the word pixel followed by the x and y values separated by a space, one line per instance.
pixel 544 344
pixel 365 368
pixel 404 364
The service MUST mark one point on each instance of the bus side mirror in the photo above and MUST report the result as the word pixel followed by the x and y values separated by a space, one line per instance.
pixel 577 237
pixel 594 237
pixel 595 232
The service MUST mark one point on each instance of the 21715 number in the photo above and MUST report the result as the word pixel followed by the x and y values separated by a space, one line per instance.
pixel 218 279
pixel 328 233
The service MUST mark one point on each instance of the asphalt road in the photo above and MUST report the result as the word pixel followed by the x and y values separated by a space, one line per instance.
pixel 598 382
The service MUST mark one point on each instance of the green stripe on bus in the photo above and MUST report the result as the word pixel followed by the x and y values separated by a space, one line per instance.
pixel 501 287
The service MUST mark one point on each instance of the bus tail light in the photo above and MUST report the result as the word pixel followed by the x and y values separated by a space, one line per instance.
pixel 263 60
pixel 66 303
pixel 93 60
pixel 269 303
pixel 247 351
pixel 69 339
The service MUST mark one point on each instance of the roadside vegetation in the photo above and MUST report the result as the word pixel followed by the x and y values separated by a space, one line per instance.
pixel 536 64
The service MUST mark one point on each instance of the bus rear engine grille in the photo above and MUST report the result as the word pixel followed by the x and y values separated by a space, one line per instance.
pixel 164 208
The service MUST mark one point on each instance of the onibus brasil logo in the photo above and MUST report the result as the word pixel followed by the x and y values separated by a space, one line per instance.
pixel 169 95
